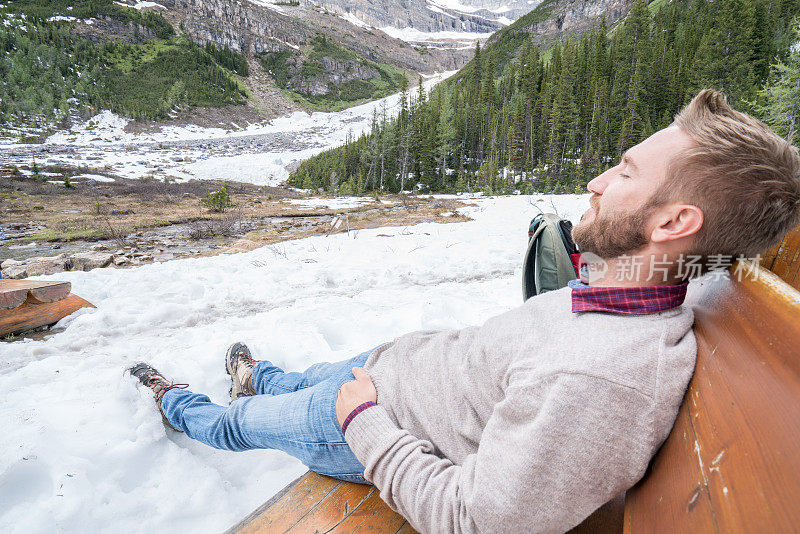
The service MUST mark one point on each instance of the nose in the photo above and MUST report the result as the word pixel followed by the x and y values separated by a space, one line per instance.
pixel 598 184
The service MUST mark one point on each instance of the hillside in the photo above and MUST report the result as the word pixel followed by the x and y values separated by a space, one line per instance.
pixel 64 60
pixel 523 117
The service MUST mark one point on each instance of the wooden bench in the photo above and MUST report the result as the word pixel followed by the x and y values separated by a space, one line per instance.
pixel 731 462
pixel 27 304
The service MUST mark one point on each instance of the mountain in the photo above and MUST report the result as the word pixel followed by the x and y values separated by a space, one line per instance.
pixel 432 22
pixel 255 27
pixel 321 59
pixel 62 60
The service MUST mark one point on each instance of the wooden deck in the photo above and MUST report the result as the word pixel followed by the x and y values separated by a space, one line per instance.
pixel 316 503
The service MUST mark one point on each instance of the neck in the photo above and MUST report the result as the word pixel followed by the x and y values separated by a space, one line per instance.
pixel 633 271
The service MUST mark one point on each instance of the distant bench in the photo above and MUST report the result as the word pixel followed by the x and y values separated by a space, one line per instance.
pixel 730 464
pixel 28 304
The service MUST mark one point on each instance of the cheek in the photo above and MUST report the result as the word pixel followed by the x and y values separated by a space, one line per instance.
pixel 620 196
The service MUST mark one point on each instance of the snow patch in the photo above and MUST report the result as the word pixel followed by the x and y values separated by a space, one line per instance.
pixel 268 5
pixel 94 177
pixel 331 203
pixel 353 19
pixel 104 141
pixel 415 36
pixel 142 5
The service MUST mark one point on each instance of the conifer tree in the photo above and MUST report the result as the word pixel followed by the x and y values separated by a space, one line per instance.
pixel 723 59
pixel 781 109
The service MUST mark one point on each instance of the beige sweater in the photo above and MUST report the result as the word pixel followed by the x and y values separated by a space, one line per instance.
pixel 525 424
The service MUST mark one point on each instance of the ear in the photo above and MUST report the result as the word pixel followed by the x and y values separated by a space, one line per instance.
pixel 676 222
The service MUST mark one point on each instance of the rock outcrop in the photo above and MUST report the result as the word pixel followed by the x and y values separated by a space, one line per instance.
pixel 421 15
pixel 254 29
pixel 553 19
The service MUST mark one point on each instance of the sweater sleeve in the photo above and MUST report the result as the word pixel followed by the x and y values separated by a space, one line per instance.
pixel 551 453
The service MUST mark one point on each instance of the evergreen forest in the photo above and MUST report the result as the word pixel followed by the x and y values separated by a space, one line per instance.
pixel 50 73
pixel 520 118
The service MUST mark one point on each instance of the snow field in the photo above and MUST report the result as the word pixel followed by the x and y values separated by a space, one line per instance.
pixel 103 141
pixel 84 449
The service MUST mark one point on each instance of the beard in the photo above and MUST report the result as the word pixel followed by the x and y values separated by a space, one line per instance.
pixel 614 235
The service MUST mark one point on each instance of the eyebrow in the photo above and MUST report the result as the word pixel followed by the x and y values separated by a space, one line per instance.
pixel 627 159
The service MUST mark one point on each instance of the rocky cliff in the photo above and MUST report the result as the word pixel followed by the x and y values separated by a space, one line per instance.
pixel 254 29
pixel 555 18
pixel 417 14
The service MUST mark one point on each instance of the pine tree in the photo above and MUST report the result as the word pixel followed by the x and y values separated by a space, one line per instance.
pixel 782 97
pixel 723 59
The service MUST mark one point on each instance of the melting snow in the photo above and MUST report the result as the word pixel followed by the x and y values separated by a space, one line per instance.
pixel 104 141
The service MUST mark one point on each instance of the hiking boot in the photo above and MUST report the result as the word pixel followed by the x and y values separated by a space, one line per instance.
pixel 239 364
pixel 150 377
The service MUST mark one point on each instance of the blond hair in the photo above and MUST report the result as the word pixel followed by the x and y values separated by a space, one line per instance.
pixel 742 175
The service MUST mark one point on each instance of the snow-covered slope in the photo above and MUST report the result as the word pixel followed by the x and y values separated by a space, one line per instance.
pixel 84 450
pixel 256 153
pixel 433 22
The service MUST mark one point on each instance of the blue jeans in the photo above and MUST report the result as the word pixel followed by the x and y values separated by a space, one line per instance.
pixel 292 412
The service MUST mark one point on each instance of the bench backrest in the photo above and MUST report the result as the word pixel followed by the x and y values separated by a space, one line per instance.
pixel 731 462
pixel 784 260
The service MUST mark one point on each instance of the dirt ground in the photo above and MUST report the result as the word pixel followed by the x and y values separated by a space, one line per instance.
pixel 91 211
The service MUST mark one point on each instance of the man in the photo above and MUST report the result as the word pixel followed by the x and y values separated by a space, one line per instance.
pixel 536 418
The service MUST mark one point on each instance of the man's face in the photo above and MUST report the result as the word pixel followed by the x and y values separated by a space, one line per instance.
pixel 622 203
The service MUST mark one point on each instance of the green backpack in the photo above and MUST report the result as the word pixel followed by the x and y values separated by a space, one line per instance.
pixel 548 265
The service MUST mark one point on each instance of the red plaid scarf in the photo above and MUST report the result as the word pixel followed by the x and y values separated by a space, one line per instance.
pixel 626 300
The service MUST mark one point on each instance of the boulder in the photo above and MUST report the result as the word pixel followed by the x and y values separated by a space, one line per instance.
pixel 14 271
pixel 11 263
pixel 48 265
pixel 38 266
pixel 86 261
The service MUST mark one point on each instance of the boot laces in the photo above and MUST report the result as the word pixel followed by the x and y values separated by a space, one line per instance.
pixel 245 358
pixel 160 386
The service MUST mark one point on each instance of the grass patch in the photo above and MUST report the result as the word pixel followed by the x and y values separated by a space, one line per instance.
pixel 152 223
pixel 51 235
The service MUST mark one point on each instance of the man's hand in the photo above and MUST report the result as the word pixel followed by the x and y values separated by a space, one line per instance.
pixel 354 393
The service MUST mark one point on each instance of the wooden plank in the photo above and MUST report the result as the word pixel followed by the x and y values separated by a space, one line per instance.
pixel 787 254
pixel 335 507
pixel 371 516
pixel 792 276
pixel 51 292
pixel 673 491
pixel 32 314
pixel 737 431
pixel 317 503
pixel 285 509
pixel 11 298
pixel 41 291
